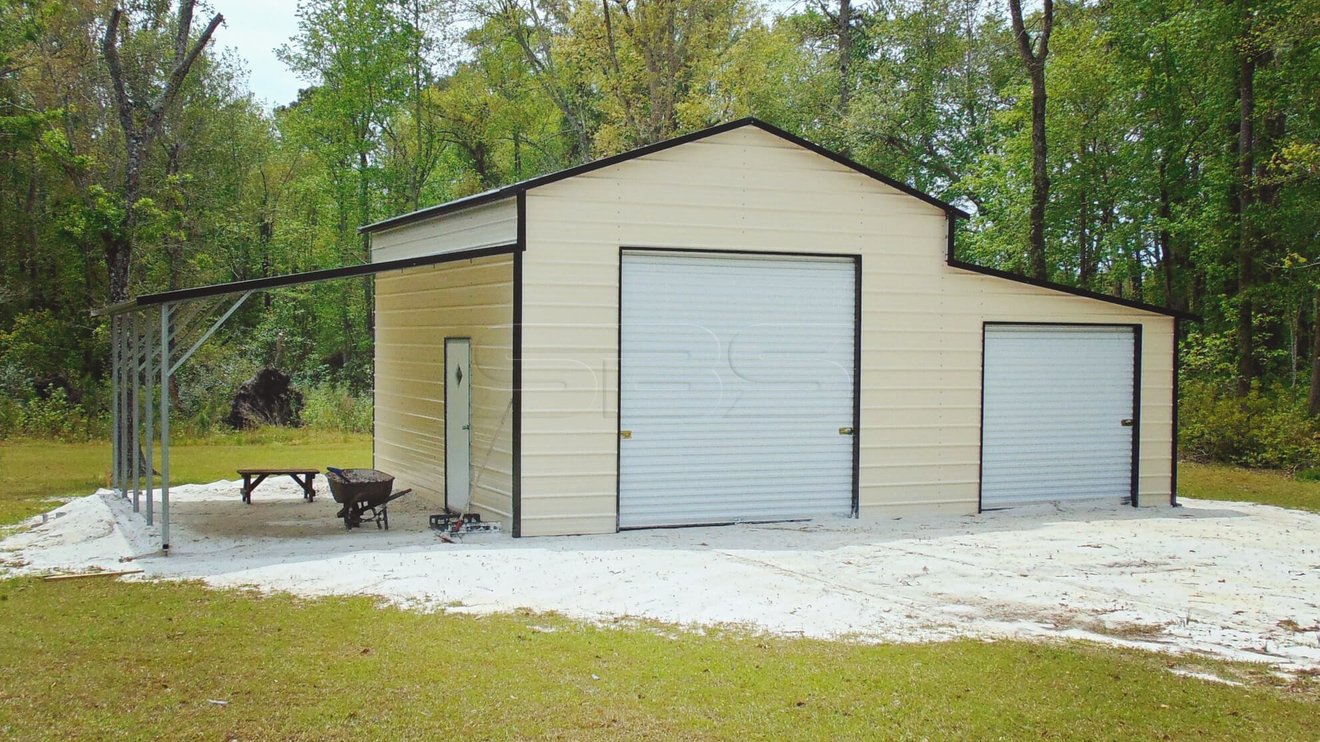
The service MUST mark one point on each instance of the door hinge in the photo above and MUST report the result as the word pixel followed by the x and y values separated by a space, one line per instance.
pixel 846 431
pixel 625 434
pixel 1127 422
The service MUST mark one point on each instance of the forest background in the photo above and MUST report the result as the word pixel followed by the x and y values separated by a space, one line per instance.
pixel 1160 150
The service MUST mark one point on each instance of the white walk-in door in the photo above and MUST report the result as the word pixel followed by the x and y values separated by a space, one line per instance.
pixel 1057 413
pixel 458 423
pixel 737 381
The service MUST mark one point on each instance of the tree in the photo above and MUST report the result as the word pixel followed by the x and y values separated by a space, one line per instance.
pixel 536 26
pixel 651 59
pixel 142 102
pixel 1034 54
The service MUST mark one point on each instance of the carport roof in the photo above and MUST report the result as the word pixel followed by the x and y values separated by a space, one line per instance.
pixel 294 279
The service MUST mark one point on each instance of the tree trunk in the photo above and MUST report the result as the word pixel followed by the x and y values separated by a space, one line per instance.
pixel 1247 368
pixel 1033 56
pixel 845 56
pixel 1085 262
pixel 1313 400
pixel 1040 177
pixel 1164 241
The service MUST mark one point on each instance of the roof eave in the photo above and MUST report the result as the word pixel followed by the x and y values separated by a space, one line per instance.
pixel 1074 290
pixel 513 190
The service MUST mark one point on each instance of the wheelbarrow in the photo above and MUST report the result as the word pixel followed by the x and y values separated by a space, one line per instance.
pixel 365 495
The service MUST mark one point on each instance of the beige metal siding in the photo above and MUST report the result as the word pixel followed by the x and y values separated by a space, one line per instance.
pixel 748 190
pixel 416 310
pixel 488 225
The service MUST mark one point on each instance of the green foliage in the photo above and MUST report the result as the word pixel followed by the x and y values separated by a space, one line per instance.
pixel 205 386
pixel 52 417
pixel 1266 428
pixel 1308 475
pixel 412 102
pixel 332 408
pixel 29 356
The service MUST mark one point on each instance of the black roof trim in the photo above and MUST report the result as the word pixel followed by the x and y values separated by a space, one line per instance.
pixel 860 168
pixel 430 212
pixel 1074 290
pixel 509 191
pixel 295 279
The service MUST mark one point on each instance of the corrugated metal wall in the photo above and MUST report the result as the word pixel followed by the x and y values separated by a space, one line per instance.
pixel 748 190
pixel 416 310
pixel 487 225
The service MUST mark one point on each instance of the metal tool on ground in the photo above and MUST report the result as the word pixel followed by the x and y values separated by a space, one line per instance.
pixel 365 495
pixel 457 524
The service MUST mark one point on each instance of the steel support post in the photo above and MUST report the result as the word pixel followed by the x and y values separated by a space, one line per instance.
pixel 135 402
pixel 165 427
pixel 149 352
pixel 114 403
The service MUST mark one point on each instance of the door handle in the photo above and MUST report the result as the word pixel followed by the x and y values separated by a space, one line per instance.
pixel 846 431
pixel 1127 422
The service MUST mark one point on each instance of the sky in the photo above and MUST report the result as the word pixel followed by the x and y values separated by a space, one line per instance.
pixel 253 29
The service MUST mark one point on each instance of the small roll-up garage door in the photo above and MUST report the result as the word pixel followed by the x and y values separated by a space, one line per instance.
pixel 1058 415
pixel 736 397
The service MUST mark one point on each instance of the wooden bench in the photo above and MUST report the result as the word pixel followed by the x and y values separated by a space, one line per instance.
pixel 254 477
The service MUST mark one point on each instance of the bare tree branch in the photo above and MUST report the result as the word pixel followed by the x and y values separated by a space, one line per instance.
pixel 110 49
pixel 181 65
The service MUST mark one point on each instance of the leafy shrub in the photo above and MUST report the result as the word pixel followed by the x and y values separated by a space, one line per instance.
pixel 52 417
pixel 38 349
pixel 9 411
pixel 1309 475
pixel 1266 429
pixel 329 407
pixel 205 385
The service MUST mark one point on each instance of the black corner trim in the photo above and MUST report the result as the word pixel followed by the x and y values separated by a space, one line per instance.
pixel 857 389
pixel 618 398
pixel 522 187
pixel 980 422
pixel 1136 414
pixel 516 390
pixel 1173 446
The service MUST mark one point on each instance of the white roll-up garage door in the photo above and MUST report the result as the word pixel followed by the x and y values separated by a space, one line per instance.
pixel 736 399
pixel 1057 413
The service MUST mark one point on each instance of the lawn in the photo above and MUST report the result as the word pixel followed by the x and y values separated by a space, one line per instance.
pixel 1220 482
pixel 33 471
pixel 95 659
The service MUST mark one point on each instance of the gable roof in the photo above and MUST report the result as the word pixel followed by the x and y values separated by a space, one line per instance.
pixel 954 213
pixel 510 191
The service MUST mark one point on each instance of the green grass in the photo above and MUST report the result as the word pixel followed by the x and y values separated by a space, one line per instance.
pixel 1221 482
pixel 97 659
pixel 33 471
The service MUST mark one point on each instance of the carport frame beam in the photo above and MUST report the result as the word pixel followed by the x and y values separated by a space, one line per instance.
pixel 169 302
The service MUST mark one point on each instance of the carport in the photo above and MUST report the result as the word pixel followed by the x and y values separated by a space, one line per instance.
pixel 153 335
